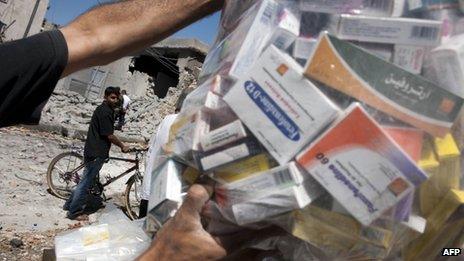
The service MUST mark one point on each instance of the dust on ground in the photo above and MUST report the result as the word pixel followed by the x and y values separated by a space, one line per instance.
pixel 30 216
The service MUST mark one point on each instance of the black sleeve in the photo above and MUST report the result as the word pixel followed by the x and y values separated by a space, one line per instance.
pixel 106 124
pixel 29 71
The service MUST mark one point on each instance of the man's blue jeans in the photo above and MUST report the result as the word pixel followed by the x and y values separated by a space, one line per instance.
pixel 78 199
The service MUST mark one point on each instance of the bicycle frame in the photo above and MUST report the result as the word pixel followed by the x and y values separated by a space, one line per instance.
pixel 112 179
pixel 136 167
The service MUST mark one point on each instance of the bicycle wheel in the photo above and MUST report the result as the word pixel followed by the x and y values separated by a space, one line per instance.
pixel 61 178
pixel 132 196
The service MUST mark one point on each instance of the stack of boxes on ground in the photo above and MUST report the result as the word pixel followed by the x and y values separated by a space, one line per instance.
pixel 331 119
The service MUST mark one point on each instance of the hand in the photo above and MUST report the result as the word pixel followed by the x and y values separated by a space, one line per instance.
pixel 125 149
pixel 144 148
pixel 183 237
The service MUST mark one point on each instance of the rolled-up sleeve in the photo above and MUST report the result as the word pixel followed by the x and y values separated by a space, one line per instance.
pixel 29 71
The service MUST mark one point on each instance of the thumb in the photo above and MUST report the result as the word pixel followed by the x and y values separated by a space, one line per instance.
pixel 196 198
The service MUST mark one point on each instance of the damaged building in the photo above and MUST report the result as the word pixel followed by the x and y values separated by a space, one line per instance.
pixel 21 18
pixel 154 79
pixel 170 63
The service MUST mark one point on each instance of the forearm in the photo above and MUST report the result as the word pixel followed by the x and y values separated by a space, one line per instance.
pixel 114 140
pixel 111 31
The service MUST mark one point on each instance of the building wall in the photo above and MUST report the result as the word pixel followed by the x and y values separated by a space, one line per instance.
pixel 118 75
pixel 21 11
pixel 92 82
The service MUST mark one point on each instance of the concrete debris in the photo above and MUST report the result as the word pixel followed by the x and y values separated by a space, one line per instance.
pixel 38 216
pixel 153 84
pixel 73 112
pixel 16 242
pixel 25 245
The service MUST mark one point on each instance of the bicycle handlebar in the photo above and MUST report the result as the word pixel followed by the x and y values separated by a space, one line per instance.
pixel 137 150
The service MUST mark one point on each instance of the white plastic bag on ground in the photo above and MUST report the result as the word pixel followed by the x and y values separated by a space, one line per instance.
pixel 113 238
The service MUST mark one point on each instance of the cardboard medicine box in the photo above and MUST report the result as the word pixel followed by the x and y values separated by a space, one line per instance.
pixel 279 106
pixel 361 166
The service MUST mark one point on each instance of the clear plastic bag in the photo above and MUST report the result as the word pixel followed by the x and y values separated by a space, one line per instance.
pixel 240 45
pixel 338 121
pixel 114 238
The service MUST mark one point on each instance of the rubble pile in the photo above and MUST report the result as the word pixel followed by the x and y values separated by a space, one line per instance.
pixel 26 245
pixel 147 112
pixel 30 217
pixel 69 109
pixel 72 111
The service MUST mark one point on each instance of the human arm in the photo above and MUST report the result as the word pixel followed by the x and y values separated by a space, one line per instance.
pixel 114 140
pixel 183 237
pixel 111 31
pixel 31 67
pixel 127 103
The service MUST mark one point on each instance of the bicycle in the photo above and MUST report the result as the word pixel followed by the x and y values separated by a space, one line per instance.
pixel 69 167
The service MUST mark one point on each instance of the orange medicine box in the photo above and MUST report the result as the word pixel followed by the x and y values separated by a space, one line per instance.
pixel 361 166
pixel 384 86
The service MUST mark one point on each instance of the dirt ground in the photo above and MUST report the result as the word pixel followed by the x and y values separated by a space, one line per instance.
pixel 30 217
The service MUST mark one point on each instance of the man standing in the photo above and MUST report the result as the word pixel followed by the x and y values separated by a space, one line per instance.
pixel 125 102
pixel 96 151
